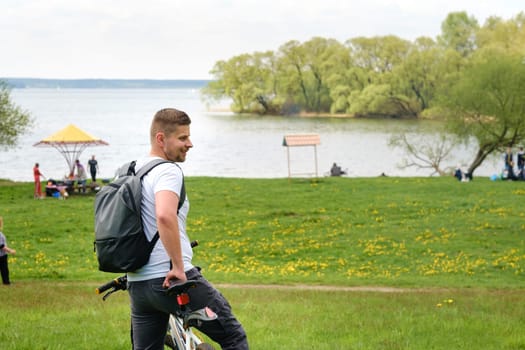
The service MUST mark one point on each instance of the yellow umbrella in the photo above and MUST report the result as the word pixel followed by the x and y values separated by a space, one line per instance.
pixel 70 142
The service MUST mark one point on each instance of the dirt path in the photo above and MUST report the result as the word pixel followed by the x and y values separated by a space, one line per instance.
pixel 325 288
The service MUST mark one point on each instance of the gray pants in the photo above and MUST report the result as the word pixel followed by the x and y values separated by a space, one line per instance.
pixel 151 307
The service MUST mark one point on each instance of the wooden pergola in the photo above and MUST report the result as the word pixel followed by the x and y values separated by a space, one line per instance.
pixel 302 140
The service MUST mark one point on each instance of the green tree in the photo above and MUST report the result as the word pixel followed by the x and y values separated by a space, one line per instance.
pixel 294 77
pixel 375 99
pixel 505 35
pixel 13 120
pixel 378 55
pixel 376 61
pixel 488 103
pixel 427 67
pixel 247 80
pixel 343 78
pixel 458 32
pixel 306 69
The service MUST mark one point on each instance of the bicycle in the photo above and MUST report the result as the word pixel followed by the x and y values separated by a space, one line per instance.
pixel 180 335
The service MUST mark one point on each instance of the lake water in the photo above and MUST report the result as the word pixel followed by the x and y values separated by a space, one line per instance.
pixel 225 144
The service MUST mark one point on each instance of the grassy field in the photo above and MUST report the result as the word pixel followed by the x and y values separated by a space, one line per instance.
pixel 454 252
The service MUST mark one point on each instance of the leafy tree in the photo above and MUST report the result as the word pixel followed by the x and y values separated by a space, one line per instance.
pixel 344 79
pixel 246 80
pixel 323 57
pixel 376 60
pixel 293 70
pixel 372 100
pixel 13 120
pixel 306 68
pixel 418 75
pixel 378 55
pixel 458 32
pixel 505 35
pixel 488 103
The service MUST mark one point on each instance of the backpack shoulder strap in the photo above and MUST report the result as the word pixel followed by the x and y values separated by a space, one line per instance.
pixel 182 196
pixel 147 168
pixel 131 168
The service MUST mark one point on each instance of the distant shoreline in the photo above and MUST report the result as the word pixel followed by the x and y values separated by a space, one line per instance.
pixel 38 83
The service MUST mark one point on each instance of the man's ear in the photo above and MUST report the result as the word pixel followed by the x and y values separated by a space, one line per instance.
pixel 160 138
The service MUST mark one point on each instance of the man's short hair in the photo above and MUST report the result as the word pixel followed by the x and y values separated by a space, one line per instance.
pixel 166 120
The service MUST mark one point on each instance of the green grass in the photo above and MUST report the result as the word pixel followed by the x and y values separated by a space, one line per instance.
pixel 456 249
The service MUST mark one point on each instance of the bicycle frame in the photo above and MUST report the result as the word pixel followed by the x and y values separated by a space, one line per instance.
pixel 184 339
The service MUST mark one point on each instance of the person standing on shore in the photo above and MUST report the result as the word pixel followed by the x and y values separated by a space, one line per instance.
pixel 93 168
pixel 37 175
pixel 509 164
pixel 4 251
pixel 171 259
pixel 81 176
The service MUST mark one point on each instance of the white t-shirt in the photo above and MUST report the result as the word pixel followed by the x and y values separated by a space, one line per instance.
pixel 161 178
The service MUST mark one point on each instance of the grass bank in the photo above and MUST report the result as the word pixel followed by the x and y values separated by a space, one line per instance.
pixel 457 247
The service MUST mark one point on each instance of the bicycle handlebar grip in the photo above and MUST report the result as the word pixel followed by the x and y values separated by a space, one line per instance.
pixel 105 287
pixel 117 283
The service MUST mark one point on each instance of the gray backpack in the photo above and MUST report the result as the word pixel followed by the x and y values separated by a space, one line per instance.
pixel 120 241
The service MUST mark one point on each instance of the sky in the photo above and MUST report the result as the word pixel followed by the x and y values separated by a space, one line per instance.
pixel 175 39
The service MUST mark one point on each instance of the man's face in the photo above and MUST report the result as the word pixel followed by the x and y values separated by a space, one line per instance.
pixel 177 144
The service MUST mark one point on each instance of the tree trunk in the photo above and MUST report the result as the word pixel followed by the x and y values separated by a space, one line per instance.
pixel 419 96
pixel 481 155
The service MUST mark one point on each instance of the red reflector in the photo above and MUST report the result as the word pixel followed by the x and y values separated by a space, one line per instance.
pixel 183 299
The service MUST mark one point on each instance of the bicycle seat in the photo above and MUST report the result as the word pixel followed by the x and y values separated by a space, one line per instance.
pixel 178 288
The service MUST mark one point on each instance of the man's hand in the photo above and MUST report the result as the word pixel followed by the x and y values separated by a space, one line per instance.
pixel 174 276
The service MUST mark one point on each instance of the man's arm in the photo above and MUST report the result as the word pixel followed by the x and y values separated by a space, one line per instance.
pixel 6 249
pixel 166 203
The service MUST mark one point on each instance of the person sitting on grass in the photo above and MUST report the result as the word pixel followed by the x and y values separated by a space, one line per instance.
pixel 336 170
pixel 462 175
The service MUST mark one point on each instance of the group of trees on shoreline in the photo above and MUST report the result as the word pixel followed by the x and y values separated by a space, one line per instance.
pixel 471 76
pixel 378 76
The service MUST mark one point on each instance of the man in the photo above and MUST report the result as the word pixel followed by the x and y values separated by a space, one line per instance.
pixel 93 168
pixel 171 259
